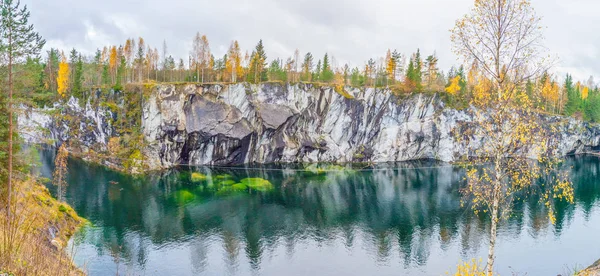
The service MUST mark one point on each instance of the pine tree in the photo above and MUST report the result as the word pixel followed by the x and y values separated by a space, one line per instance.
pixel 19 40
pixel 121 72
pixel 326 73
pixel 50 72
pixel 574 101
pixel 409 82
pixel 317 73
pixel 72 61
pixel 307 66
pixel 593 106
pixel 418 72
pixel 258 64
pixel 77 89
pixel 98 67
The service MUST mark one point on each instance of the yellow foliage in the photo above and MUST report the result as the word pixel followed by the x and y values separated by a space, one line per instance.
pixel 454 86
pixel 482 91
pixel 473 268
pixel 63 76
pixel 112 60
pixel 584 93
pixel 391 64
pixel 550 91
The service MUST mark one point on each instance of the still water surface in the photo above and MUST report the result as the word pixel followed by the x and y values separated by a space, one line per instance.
pixel 401 219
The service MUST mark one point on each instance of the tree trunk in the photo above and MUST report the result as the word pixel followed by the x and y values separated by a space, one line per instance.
pixel 10 134
pixel 493 233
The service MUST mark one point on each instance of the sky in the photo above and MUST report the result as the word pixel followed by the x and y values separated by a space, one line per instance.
pixel 351 30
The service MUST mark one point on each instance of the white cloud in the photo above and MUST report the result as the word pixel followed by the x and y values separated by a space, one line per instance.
pixel 351 30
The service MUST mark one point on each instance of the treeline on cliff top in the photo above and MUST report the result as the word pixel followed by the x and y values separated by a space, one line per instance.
pixel 62 74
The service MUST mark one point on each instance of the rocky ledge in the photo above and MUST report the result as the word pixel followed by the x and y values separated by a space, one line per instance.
pixel 268 123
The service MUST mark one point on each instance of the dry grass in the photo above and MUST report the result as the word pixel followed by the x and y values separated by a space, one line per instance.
pixel 27 243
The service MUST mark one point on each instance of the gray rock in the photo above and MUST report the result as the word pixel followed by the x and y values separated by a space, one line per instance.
pixel 265 123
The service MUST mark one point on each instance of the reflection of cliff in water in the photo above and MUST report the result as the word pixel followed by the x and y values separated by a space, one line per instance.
pixel 388 209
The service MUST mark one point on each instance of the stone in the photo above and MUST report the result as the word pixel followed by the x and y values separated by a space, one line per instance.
pixel 269 123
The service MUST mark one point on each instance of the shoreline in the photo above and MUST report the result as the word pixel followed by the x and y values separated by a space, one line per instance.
pixel 48 224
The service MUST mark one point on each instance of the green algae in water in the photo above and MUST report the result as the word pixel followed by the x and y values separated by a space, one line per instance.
pixel 257 184
pixel 322 169
pixel 197 177
pixel 237 188
pixel 184 196
pixel 224 176
pixel 228 182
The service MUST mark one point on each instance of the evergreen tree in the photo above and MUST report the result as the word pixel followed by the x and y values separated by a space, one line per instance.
pixel 18 41
pixel 50 71
pixel 409 81
pixel 276 71
pixel 98 67
pixel 121 73
pixel 418 72
pixel 317 73
pixel 78 77
pixel 258 64
pixel 574 101
pixel 307 66
pixel 593 106
pixel 326 74
pixel 105 75
pixel 356 79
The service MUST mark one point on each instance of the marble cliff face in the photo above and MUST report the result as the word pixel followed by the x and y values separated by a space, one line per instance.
pixel 267 123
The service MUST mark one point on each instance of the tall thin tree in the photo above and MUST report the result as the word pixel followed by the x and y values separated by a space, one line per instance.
pixel 18 41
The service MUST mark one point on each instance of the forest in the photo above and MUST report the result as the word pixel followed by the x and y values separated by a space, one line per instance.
pixel 61 74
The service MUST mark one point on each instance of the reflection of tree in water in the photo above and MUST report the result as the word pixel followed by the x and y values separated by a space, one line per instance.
pixel 407 209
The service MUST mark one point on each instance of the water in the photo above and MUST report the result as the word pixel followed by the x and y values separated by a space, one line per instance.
pixel 402 219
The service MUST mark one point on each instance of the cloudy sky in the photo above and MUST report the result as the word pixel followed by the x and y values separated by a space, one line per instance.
pixel 351 30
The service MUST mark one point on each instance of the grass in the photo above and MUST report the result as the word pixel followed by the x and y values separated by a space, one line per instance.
pixel 26 245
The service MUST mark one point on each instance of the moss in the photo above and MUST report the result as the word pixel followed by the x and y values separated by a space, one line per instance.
pixel 197 177
pixel 62 208
pixel 340 89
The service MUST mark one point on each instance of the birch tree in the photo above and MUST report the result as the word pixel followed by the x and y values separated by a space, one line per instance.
pixel 503 37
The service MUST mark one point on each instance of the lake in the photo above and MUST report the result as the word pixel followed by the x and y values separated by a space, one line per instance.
pixel 390 219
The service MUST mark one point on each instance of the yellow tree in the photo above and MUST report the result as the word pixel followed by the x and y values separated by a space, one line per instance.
pixel 550 92
pixel 585 92
pixel 234 61
pixel 391 64
pixel 504 38
pixel 454 86
pixel 63 76
pixel 112 63
pixel 128 52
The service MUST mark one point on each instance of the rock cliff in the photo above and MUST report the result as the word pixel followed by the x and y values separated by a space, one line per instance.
pixel 243 123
